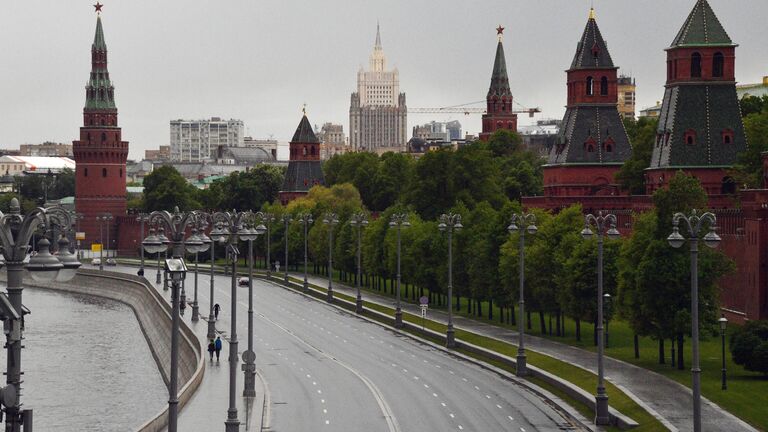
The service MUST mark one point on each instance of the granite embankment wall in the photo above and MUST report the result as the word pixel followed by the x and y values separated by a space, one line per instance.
pixel 154 316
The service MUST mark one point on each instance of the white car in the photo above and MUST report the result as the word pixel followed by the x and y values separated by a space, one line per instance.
pixel 243 281
pixel 96 261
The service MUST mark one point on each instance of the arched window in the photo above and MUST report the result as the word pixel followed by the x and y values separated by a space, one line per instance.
pixel 85 172
pixel 718 62
pixel 695 65
pixel 590 86
pixel 121 173
pixel 103 137
pixel 103 172
pixel 690 137
pixel 89 137
pixel 728 186
pixel 304 151
pixel 727 135
pixel 604 86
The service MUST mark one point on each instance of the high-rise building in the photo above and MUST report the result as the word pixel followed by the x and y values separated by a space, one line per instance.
pixel 100 153
pixel 305 169
pixel 626 93
pixel 198 140
pixel 332 140
pixel 499 114
pixel 592 143
pixel 378 116
pixel 700 129
pixel 46 149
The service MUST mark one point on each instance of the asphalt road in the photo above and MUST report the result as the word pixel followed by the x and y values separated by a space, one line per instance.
pixel 326 368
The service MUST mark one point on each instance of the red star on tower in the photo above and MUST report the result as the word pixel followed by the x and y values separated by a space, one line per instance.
pixel 499 30
pixel 98 7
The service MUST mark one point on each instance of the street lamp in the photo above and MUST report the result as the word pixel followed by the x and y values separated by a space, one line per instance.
pixel 695 224
pixel 359 221
pixel 723 326
pixel 232 229
pixel 399 221
pixel 218 235
pixel 608 312
pixel 330 219
pixel 266 220
pixel 305 219
pixel 78 218
pixel 176 223
pixel 196 243
pixel 449 223
pixel 249 357
pixel 286 221
pixel 16 230
pixel 605 225
pixel 522 222
pixel 141 218
pixel 103 218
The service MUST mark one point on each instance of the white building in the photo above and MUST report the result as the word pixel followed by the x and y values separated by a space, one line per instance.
pixel 198 140
pixel 377 112
pixel 19 165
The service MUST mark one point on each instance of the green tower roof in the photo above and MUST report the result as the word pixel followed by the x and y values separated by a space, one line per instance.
pixel 702 28
pixel 499 79
pixel 98 39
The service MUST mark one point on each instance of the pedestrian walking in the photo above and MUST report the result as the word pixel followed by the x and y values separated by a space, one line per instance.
pixel 216 309
pixel 217 346
pixel 211 348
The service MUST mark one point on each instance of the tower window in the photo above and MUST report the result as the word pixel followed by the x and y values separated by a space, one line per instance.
pixel 695 65
pixel 604 86
pixel 590 86
pixel 121 173
pixel 103 172
pixel 727 135
pixel 718 62
pixel 690 137
pixel 85 172
pixel 103 137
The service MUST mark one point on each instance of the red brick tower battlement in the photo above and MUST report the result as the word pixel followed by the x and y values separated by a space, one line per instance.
pixel 100 153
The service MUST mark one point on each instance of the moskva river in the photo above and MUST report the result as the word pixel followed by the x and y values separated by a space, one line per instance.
pixel 87 366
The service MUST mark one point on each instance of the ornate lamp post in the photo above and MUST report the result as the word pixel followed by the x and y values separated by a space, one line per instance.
pixel 266 220
pixel 141 218
pixel 287 222
pixel 78 218
pixel 103 218
pixel 605 225
pixel 217 236
pixel 249 356
pixel 330 219
pixel 232 229
pixel 723 326
pixel 196 243
pixel 165 241
pixel 359 221
pixel 305 219
pixel 176 223
pixel 399 221
pixel 449 223
pixel 695 224
pixel 522 222
pixel 16 230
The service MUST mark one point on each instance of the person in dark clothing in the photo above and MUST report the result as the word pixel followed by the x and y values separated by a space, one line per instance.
pixel 211 348
pixel 216 309
pixel 217 346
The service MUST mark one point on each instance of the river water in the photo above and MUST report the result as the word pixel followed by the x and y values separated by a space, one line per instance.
pixel 87 365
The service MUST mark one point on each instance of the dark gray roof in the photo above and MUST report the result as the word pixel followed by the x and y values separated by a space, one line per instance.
pixel 304 133
pixel 702 28
pixel 302 175
pixel 592 51
pixel 599 125
pixel 247 155
pixel 707 110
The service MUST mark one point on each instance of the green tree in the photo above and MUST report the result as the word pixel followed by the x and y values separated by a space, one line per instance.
pixel 431 191
pixel 359 169
pixel 753 105
pixel 394 172
pixel 749 169
pixel 749 346
pixel 642 136
pixel 245 189
pixel 165 189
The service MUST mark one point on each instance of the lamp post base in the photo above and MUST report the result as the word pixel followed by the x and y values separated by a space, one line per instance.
pixel 232 425
pixel 359 305
pixel 522 367
pixel 158 279
pixel 450 338
pixel 398 318
pixel 329 297
pixel 211 328
pixel 249 384
pixel 601 410
pixel 195 312
pixel 306 286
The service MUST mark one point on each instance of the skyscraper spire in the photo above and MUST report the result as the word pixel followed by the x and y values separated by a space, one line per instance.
pixel 378 37
pixel 378 61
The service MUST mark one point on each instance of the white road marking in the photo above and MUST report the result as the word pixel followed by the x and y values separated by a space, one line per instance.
pixel 451 414
pixel 498 406
pixel 511 418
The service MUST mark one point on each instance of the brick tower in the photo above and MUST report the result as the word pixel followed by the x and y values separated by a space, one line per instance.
pixel 592 143
pixel 304 168
pixel 700 128
pixel 100 154
pixel 499 114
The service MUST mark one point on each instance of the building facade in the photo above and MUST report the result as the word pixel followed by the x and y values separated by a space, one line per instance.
pixel 626 93
pixel 46 149
pixel 198 140
pixel 332 140
pixel 305 169
pixel 100 153
pixel 499 108
pixel 163 153
pixel 757 90
pixel 378 116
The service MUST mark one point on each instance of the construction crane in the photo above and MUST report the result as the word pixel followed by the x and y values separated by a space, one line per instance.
pixel 467 110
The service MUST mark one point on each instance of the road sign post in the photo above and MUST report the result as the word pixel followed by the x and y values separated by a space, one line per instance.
pixel 424 303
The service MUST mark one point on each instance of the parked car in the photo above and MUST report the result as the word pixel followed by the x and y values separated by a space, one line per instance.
pixel 243 281
pixel 111 262
pixel 96 261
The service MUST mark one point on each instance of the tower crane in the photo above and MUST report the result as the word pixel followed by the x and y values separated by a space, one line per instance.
pixel 467 110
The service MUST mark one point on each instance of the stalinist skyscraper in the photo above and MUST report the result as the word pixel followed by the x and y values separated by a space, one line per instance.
pixel 378 116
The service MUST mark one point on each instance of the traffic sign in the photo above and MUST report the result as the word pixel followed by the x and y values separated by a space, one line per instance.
pixel 95 247
pixel 249 356
pixel 424 300
pixel 80 235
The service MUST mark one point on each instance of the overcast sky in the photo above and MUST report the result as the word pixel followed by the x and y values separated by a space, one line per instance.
pixel 259 61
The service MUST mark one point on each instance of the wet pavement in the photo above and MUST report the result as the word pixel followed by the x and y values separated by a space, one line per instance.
pixel 87 365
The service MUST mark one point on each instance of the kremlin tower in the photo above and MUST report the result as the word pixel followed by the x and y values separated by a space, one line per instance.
pixel 499 114
pixel 304 167
pixel 700 128
pixel 592 143
pixel 100 153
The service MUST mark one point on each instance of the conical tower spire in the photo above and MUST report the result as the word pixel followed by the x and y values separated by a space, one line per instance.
pixel 377 46
pixel 499 113
pixel 592 51
pixel 98 39
pixel 99 90
pixel 378 60
pixel 702 28
pixel 499 79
